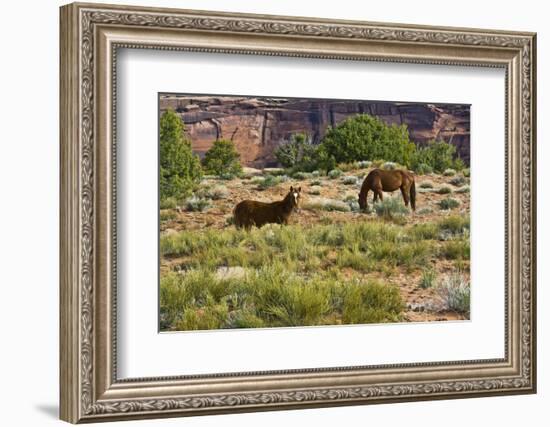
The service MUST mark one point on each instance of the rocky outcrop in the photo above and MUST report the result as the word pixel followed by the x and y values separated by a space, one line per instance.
pixel 258 125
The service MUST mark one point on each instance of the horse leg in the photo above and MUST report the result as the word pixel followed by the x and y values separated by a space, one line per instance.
pixel 380 194
pixel 404 193
pixel 378 190
pixel 367 200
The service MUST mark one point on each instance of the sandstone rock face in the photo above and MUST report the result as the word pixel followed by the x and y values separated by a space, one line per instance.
pixel 258 125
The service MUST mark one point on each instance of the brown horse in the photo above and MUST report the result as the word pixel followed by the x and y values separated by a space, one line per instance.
pixel 251 212
pixel 379 180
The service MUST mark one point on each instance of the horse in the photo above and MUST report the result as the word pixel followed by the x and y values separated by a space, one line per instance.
pixel 379 180
pixel 249 213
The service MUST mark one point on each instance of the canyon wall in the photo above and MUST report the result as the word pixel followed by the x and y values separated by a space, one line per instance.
pixel 258 125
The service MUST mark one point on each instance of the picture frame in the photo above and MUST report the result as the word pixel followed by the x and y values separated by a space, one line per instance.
pixel 91 35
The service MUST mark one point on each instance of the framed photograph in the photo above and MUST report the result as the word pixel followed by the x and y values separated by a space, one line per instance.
pixel 267 212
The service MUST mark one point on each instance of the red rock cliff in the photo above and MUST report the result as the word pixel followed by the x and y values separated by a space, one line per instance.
pixel 258 125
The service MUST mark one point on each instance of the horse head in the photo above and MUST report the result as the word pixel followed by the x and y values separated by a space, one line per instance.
pixel 293 197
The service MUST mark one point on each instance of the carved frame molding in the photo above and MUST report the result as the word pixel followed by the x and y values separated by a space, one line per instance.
pixel 90 36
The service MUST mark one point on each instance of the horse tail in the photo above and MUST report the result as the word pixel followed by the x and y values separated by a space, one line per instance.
pixel 237 220
pixel 412 193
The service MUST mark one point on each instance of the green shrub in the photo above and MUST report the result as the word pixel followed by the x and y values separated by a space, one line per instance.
pixel 218 192
pixel 364 164
pixel 389 166
pixel 390 207
pixel 438 155
pixel 317 182
pixel 448 203
pixel 349 180
pixel 180 169
pixel 197 204
pixel 353 205
pixel 445 189
pixel 274 171
pixel 454 291
pixel 228 176
pixel 449 172
pixel 426 184
pixel 323 204
pixel 299 153
pixel 461 190
pixel 302 175
pixel 271 181
pixel 314 190
pixel 424 211
pixel 334 173
pixel 364 137
pixel 222 159
pixel 457 180
pixel 346 167
pixel 466 172
pixel 423 169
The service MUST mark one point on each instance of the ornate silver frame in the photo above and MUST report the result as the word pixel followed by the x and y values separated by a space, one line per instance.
pixel 90 36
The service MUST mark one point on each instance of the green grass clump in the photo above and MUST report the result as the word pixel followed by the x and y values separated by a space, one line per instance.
pixel 426 184
pixel 425 231
pixel 445 189
pixel 466 172
pixel 167 215
pixel 390 207
pixel 449 203
pixel 271 296
pixel 168 203
pixel 454 291
pixel 449 172
pixel 427 279
pixel 455 224
pixel 456 249
pixel 371 303
pixel 334 173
